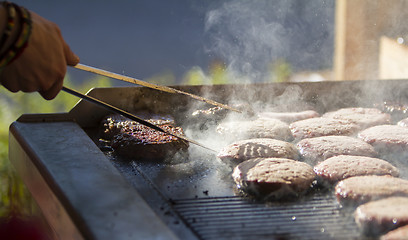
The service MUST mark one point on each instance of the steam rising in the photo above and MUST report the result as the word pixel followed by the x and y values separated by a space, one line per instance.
pixel 250 39
pixel 250 35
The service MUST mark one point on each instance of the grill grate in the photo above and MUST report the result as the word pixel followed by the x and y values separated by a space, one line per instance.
pixel 317 217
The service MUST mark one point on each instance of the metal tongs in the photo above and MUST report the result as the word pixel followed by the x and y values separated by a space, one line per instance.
pixel 150 85
pixel 146 84
pixel 130 116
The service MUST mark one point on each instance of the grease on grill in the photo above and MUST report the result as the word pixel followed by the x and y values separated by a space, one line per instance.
pixel 392 106
pixel 398 110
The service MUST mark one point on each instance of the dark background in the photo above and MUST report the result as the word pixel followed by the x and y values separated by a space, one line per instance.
pixel 146 37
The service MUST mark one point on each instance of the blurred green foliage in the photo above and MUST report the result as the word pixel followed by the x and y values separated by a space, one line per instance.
pixel 281 71
pixel 13 194
pixel 165 78
pixel 217 74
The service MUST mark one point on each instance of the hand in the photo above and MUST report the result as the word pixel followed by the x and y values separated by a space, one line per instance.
pixel 43 63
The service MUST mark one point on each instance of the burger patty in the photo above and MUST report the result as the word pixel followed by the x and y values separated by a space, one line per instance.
pixel 386 138
pixel 378 217
pixel 289 117
pixel 214 115
pixel 317 127
pixel 318 149
pixel 397 234
pixel 274 178
pixel 257 148
pixel 341 167
pixel 364 117
pixel 259 128
pixel 203 117
pixel 115 123
pixel 134 140
pixel 140 142
pixel 361 189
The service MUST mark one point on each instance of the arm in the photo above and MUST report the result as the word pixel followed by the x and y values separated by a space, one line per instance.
pixel 42 64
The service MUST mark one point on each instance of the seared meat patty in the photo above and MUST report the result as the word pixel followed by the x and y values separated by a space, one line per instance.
pixel 115 123
pixel 274 178
pixel 259 128
pixel 318 149
pixel 317 127
pixel 361 189
pixel 364 117
pixel 143 143
pixel 204 118
pixel 218 113
pixel 257 148
pixel 131 139
pixel 386 138
pixel 398 234
pixel 378 217
pixel 344 166
pixel 210 115
pixel 289 117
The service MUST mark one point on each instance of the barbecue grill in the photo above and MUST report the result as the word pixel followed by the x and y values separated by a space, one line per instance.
pixel 86 191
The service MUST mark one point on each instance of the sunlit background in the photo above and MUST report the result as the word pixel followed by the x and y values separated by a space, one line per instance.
pixel 148 39
pixel 171 43
pixel 182 42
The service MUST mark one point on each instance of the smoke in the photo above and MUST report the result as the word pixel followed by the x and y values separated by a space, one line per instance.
pixel 244 37
pixel 250 35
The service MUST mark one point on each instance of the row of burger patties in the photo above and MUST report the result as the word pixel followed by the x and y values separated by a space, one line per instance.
pixel 280 155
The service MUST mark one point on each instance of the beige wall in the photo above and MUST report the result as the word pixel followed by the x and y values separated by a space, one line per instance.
pixel 360 24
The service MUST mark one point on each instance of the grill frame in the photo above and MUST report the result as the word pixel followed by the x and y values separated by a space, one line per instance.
pixel 78 211
pixel 81 194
